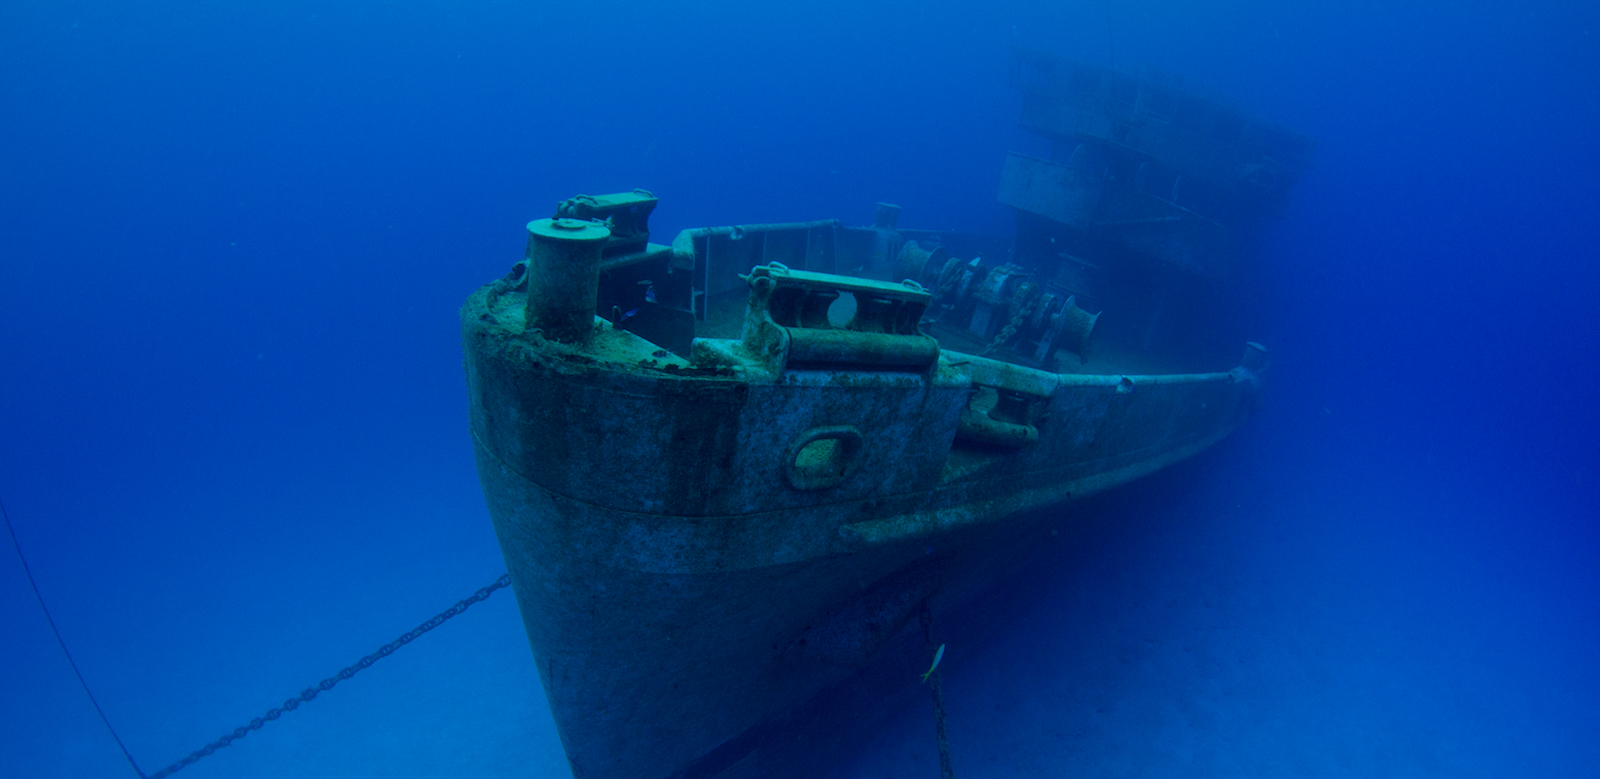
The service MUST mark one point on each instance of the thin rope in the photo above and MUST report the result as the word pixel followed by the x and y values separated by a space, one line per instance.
pixel 63 644
pixel 289 705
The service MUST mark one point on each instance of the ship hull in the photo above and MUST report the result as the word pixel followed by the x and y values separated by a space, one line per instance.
pixel 687 596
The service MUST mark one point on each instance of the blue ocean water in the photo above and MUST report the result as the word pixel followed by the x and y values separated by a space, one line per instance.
pixel 233 240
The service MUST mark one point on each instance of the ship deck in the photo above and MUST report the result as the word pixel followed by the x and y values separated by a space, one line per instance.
pixel 1108 357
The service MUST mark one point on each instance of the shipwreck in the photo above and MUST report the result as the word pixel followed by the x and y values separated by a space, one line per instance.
pixel 725 472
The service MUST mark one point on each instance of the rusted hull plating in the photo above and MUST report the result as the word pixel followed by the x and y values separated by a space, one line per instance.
pixel 699 551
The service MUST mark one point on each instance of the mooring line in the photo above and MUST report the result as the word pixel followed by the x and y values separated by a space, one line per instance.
pixel 46 609
pixel 308 693
pixel 289 705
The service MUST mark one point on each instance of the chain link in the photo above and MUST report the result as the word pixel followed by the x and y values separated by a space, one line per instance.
pixel 327 684
pixel 935 683
pixel 1011 327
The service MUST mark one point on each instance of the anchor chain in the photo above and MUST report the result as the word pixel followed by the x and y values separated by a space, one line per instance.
pixel 1010 329
pixel 946 770
pixel 327 684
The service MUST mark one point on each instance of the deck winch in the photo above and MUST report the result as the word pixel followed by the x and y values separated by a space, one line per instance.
pixel 821 319
pixel 1004 305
